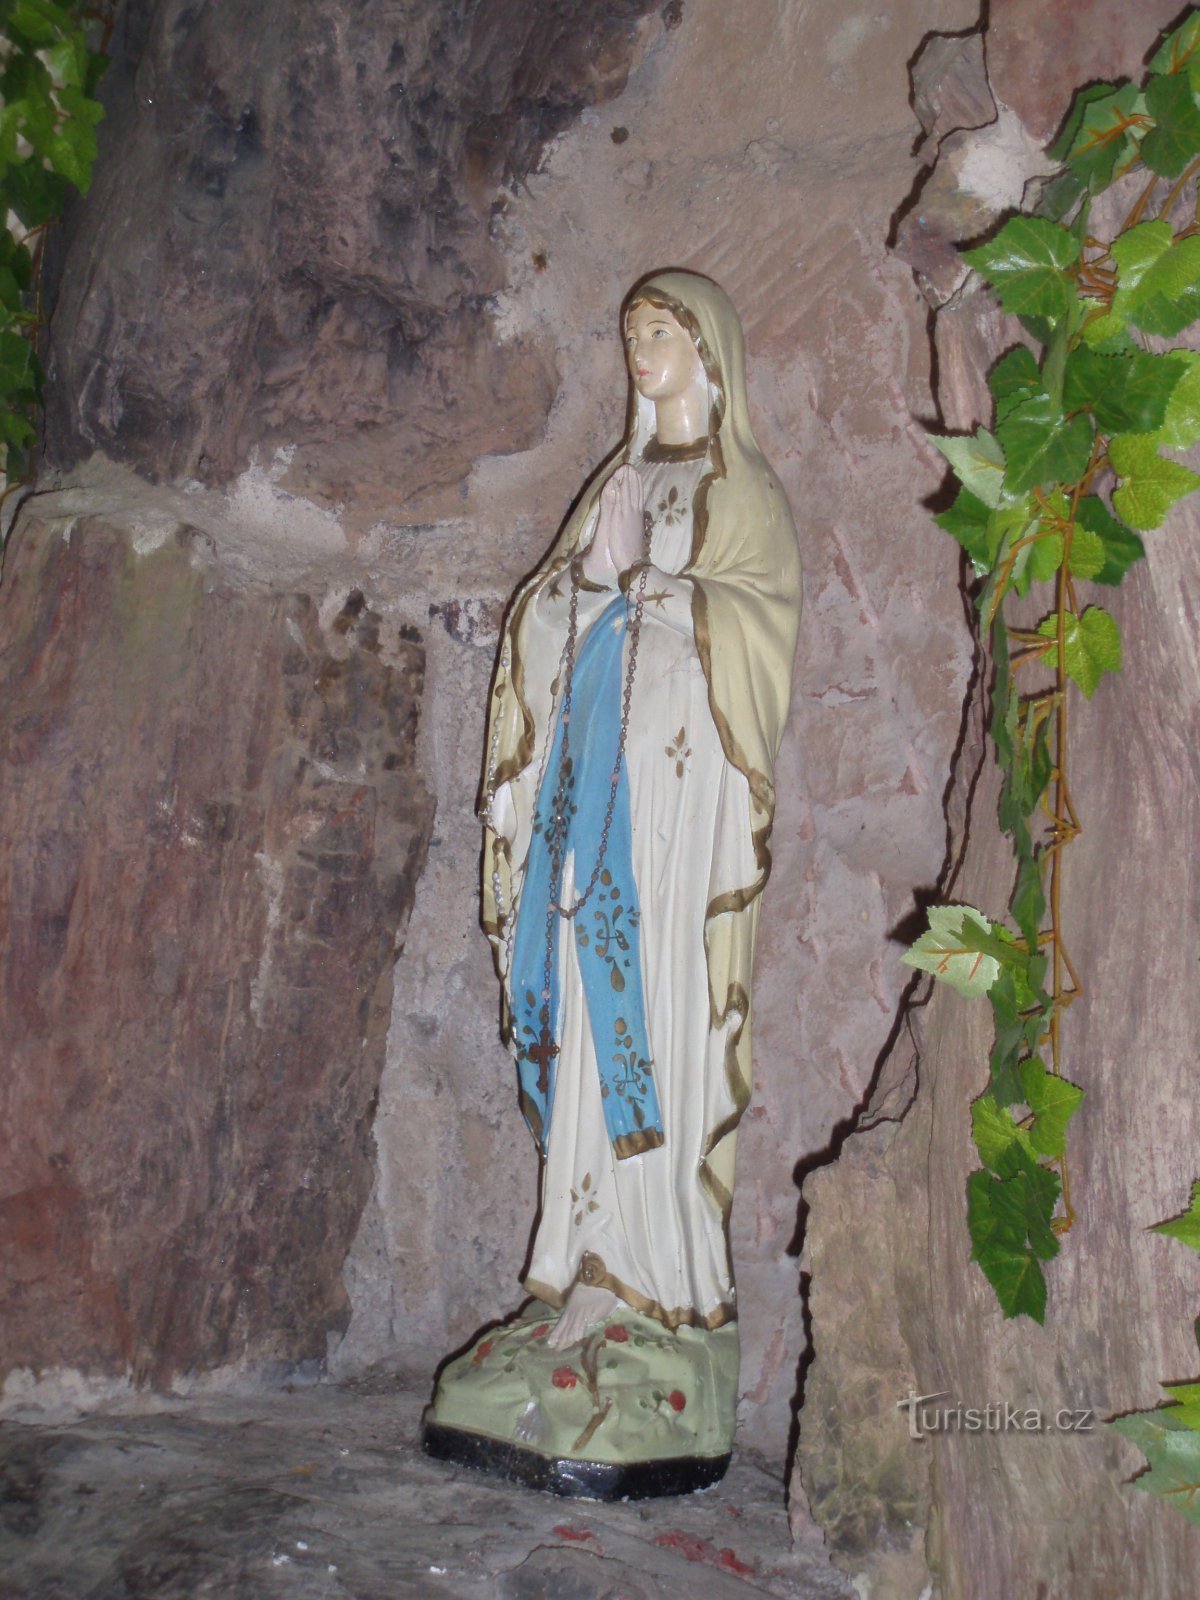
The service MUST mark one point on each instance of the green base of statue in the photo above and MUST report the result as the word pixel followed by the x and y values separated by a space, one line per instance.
pixel 631 1411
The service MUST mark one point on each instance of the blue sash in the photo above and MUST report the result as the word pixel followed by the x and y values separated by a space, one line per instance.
pixel 607 938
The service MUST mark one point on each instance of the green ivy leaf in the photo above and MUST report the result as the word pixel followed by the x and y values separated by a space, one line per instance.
pixel 40 114
pixel 1087 557
pixel 1028 766
pixel 39 21
pixel 1175 137
pixel 1180 50
pixel 1101 133
pixel 1035 1189
pixel 996 1221
pixel 1018 1028
pixel 1091 646
pixel 1187 1226
pixel 1028 904
pixel 10 292
pixel 1173 1452
pixel 1041 446
pixel 978 461
pixel 16 259
pixel 944 952
pixel 17 360
pixel 1125 393
pixel 1010 524
pixel 35 193
pixel 991 1224
pixel 72 152
pixel 1186 1411
pixel 1166 297
pixel 993 1130
pixel 1026 265
pixel 1121 546
pixel 1045 557
pixel 1014 378
pixel 1053 1102
pixel 1060 195
pixel 16 430
pixel 969 521
pixel 68 61
pixel 1150 483
pixel 1136 249
pixel 1060 149
pixel 76 102
pixel 1187 1394
pixel 1181 426
pixel 1030 986
pixel 1106 330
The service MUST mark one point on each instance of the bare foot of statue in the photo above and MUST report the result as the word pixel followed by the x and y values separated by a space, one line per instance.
pixel 587 1306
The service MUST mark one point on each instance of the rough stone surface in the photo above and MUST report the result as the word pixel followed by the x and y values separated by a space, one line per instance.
pixel 293 246
pixel 323 1494
pixel 1015 1512
pixel 768 145
pixel 213 828
pixel 1039 51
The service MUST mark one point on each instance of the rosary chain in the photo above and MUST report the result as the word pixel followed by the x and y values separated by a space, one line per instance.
pixel 558 823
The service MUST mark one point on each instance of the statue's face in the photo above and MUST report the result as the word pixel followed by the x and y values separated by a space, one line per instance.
pixel 663 361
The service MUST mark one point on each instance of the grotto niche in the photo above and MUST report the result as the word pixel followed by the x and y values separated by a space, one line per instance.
pixel 330 348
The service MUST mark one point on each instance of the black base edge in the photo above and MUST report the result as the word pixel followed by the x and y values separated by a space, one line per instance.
pixel 580 1480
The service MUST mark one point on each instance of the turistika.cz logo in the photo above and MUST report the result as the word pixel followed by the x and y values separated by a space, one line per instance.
pixel 925 1416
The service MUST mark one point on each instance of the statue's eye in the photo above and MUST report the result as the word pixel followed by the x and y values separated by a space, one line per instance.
pixel 660 333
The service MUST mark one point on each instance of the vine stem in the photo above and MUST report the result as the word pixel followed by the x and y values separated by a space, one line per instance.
pixel 1177 189
pixel 1064 980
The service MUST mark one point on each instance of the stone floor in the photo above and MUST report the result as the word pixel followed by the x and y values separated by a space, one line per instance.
pixel 322 1493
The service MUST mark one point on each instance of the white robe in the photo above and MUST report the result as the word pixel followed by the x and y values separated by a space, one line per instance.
pixel 645 1226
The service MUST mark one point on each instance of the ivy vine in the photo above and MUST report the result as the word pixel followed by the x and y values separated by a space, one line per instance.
pixel 1169 1436
pixel 1088 410
pixel 48 117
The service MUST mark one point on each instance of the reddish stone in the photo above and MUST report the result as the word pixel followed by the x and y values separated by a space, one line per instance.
pixel 1040 51
pixel 212 826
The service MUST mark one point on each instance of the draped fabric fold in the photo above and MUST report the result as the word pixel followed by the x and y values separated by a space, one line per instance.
pixel 607 928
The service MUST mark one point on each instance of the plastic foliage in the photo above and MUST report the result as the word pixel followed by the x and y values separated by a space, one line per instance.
pixel 1169 1436
pixel 48 117
pixel 1090 408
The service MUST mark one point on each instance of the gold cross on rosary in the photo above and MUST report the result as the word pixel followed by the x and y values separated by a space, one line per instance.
pixel 542 1054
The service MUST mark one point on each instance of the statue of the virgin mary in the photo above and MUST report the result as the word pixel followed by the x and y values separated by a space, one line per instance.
pixel 637 707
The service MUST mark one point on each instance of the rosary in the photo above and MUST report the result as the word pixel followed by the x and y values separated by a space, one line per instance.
pixel 546 1049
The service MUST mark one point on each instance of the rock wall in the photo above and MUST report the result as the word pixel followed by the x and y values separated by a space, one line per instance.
pixel 710 158
pixel 897 1309
pixel 213 829
pixel 256 340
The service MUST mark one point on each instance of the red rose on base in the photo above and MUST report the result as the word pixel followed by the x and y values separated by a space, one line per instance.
pixel 677 1400
pixel 564 1378
pixel 617 1334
